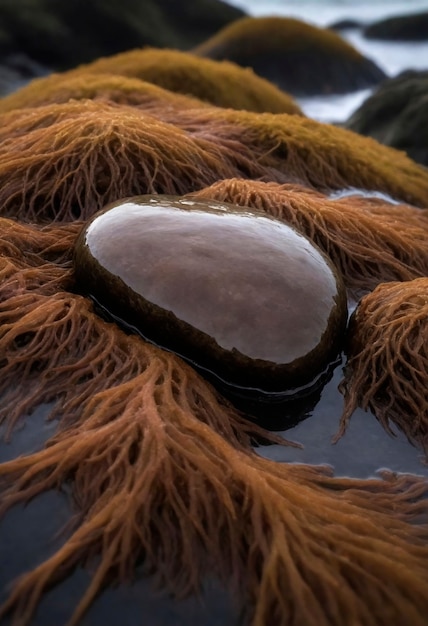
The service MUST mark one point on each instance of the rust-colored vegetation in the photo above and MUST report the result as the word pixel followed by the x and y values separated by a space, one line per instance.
pixel 387 369
pixel 220 83
pixel 61 88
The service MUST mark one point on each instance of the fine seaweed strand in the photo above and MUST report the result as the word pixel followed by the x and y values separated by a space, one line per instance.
pixel 369 241
pixel 387 367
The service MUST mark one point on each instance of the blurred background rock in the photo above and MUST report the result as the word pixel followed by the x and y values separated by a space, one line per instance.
pixel 38 36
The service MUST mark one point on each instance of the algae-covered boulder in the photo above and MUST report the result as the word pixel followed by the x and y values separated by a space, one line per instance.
pixel 221 83
pixel 297 149
pixel 65 161
pixel 63 34
pixel 298 57
pixel 412 27
pixel 396 115
pixel 387 368
pixel 62 162
pixel 61 88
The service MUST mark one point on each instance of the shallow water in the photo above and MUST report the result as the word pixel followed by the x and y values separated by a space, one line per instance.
pixel 30 534
pixel 325 12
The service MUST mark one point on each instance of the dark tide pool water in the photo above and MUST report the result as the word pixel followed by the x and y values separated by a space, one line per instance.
pixel 30 534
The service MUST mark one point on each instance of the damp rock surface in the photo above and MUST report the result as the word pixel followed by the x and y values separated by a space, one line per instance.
pixel 237 293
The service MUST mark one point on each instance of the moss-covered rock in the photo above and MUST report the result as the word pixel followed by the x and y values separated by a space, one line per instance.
pixel 64 34
pixel 412 27
pixel 292 148
pixel 66 161
pixel 62 162
pixel 298 57
pixel 61 88
pixel 221 83
pixel 396 115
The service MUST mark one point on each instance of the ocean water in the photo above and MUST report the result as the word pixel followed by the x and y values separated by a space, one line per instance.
pixel 324 12
pixel 392 57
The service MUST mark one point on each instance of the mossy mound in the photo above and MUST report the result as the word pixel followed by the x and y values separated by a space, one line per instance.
pixel 66 161
pixel 61 88
pixel 298 57
pixel 412 27
pixel 369 241
pixel 387 369
pixel 300 150
pixel 223 84
pixel 64 34
pixel 396 115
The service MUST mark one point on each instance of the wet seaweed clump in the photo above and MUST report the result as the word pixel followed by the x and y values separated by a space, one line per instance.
pixel 296 149
pixel 238 293
pixel 387 368
pixel 62 162
pixel 298 57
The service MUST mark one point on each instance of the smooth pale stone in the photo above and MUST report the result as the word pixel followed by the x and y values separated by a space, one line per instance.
pixel 234 291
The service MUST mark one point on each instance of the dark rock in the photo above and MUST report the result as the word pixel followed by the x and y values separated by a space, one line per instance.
pixel 400 28
pixel 299 58
pixel 236 292
pixel 396 115
pixel 345 25
pixel 62 35
pixel 16 70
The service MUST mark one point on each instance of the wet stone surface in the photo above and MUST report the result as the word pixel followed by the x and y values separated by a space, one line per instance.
pixel 241 295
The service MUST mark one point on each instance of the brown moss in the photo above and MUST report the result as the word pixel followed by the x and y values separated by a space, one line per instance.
pixel 279 33
pixel 294 55
pixel 223 84
pixel 296 149
pixel 60 88
pixel 369 241
pixel 387 368
pixel 66 161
